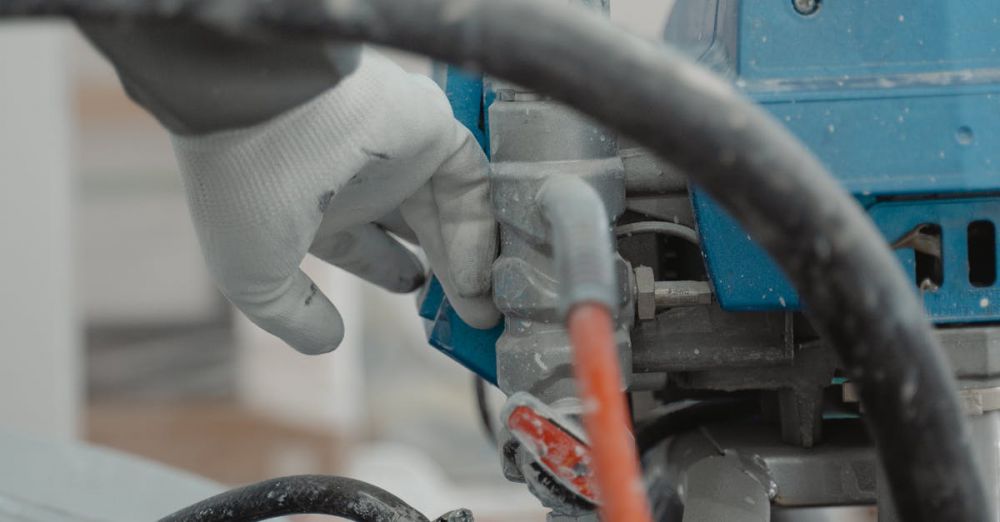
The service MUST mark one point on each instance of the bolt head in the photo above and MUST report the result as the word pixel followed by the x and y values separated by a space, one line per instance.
pixel 806 7
pixel 645 295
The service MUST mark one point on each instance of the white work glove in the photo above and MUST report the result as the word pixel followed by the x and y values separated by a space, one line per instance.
pixel 327 178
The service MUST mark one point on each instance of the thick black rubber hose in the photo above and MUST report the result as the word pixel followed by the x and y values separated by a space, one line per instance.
pixel 857 295
pixel 655 431
pixel 301 494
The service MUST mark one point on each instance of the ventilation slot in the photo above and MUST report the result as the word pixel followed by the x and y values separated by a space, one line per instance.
pixel 982 244
pixel 928 259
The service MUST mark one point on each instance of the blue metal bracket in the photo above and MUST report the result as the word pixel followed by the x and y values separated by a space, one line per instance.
pixel 471 347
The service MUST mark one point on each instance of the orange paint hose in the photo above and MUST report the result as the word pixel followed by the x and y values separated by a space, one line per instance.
pixel 606 419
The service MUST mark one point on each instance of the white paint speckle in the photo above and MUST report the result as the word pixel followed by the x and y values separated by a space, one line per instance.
pixel 902 18
pixel 984 303
pixel 541 364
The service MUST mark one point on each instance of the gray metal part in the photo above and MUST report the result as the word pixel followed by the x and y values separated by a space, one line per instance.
pixel 978 401
pixel 842 471
pixel 536 357
pixel 533 353
pixel 673 208
pixel 545 131
pixel 535 142
pixel 719 488
pixel 800 386
pixel 669 294
pixel 985 434
pixel 974 353
pixel 985 437
pixel 648 175
pixel 706 337
pixel 645 293
pixel 515 187
pixel 582 246
pixel 801 414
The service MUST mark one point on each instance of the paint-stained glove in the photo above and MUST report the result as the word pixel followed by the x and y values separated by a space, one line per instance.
pixel 319 178
pixel 285 151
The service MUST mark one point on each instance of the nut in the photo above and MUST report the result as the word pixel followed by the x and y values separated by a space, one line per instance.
pixel 645 293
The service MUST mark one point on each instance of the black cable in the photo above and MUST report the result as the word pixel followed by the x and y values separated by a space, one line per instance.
pixel 483 405
pixel 855 290
pixel 301 494
pixel 654 431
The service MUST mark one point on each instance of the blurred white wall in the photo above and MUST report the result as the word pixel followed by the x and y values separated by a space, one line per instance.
pixel 39 337
pixel 138 256
pixel 322 391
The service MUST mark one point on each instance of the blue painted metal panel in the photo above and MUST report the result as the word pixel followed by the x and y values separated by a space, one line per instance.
pixel 471 347
pixel 896 97
pixel 866 37
pixel 956 299
pixel 465 93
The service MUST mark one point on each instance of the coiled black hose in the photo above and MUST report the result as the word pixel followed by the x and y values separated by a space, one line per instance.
pixel 857 295
pixel 301 494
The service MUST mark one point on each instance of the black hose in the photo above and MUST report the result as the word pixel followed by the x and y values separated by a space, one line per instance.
pixel 483 405
pixel 858 296
pixel 301 494
pixel 654 431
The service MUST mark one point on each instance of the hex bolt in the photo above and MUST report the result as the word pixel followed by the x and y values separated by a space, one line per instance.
pixel 652 295
pixel 806 7
pixel 670 294
pixel 645 298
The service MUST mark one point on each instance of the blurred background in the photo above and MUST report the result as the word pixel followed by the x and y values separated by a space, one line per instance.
pixel 111 331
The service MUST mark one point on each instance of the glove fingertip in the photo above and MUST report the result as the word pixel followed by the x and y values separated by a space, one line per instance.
pixel 297 312
pixel 479 312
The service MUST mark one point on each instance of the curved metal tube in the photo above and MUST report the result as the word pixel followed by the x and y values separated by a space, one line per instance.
pixel 660 227
pixel 582 243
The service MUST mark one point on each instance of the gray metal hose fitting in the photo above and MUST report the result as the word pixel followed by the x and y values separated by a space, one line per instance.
pixel 582 243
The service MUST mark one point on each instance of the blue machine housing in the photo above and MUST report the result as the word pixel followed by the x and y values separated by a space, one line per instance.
pixel 900 99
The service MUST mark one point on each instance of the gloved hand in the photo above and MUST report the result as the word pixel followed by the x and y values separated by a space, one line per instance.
pixel 321 178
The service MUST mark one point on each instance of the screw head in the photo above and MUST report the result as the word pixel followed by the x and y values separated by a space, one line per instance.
pixel 806 7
